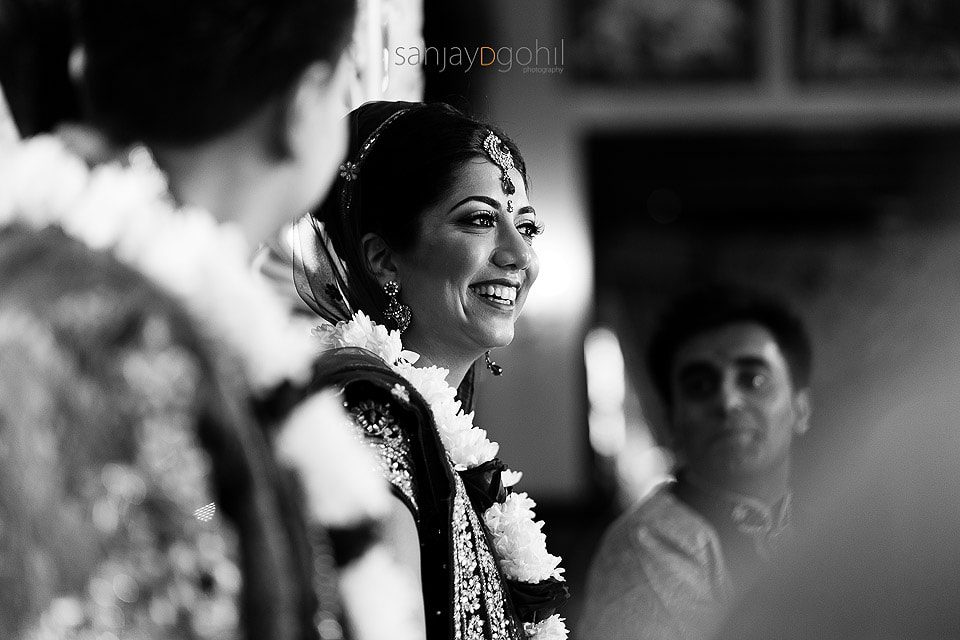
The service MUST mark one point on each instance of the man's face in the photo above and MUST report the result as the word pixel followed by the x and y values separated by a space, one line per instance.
pixel 735 410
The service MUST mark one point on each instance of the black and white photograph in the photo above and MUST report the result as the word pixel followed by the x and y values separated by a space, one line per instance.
pixel 518 320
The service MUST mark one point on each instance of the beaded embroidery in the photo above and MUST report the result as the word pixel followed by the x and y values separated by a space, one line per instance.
pixel 390 442
pixel 479 603
pixel 479 607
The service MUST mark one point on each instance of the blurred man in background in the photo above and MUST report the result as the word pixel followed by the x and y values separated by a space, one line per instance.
pixel 733 369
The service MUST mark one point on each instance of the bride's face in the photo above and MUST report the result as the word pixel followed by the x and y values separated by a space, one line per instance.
pixel 468 274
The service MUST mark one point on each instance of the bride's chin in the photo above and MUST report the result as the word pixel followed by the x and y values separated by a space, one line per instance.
pixel 495 338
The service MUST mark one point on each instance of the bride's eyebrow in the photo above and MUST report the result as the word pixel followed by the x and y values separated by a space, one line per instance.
pixel 485 199
pixel 527 209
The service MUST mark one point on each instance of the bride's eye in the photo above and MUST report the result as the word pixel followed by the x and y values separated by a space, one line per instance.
pixel 485 219
pixel 530 229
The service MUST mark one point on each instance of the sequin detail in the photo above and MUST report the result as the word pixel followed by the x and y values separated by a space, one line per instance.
pixel 479 602
pixel 391 444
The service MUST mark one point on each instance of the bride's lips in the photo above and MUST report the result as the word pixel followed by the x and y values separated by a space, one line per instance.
pixel 499 294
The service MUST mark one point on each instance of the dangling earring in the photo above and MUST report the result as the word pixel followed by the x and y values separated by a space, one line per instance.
pixel 495 369
pixel 396 311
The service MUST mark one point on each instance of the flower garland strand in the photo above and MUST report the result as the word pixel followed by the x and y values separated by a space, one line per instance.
pixel 127 211
pixel 517 537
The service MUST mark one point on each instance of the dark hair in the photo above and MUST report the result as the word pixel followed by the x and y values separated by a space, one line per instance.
pixel 414 161
pixel 715 306
pixel 184 71
pixel 36 38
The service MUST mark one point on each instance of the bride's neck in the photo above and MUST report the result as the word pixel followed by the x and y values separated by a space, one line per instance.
pixel 456 365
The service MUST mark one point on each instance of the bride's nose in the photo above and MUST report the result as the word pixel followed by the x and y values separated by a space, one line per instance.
pixel 512 251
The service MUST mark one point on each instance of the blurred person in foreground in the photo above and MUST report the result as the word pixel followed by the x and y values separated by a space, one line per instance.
pixel 733 368
pixel 144 368
pixel 35 43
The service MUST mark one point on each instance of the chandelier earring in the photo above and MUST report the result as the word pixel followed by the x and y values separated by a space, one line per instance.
pixel 396 312
pixel 494 368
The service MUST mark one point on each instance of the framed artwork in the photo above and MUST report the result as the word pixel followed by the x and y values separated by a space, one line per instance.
pixel 878 39
pixel 665 41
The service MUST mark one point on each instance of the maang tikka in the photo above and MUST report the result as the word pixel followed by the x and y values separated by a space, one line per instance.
pixel 396 311
pixel 500 154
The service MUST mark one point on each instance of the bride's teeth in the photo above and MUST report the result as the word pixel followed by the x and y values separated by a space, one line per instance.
pixel 507 294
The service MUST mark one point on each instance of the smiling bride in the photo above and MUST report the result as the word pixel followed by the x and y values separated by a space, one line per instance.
pixel 429 234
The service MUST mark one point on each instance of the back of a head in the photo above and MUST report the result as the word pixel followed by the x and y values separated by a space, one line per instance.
pixel 179 72
pixel 712 306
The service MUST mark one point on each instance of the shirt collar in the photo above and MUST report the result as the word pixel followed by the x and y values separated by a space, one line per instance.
pixel 748 514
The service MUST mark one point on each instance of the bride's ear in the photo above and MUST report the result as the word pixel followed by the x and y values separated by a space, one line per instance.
pixel 379 257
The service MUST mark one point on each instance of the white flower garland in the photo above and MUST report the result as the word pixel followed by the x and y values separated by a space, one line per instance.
pixel 553 628
pixel 517 537
pixel 519 541
pixel 127 211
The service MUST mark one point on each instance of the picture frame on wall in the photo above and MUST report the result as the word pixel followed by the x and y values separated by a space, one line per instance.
pixel 900 40
pixel 664 42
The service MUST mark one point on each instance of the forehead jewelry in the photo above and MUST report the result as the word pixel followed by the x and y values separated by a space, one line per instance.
pixel 500 155
pixel 509 206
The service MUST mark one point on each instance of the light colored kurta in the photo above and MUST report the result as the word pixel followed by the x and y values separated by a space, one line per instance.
pixel 659 574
